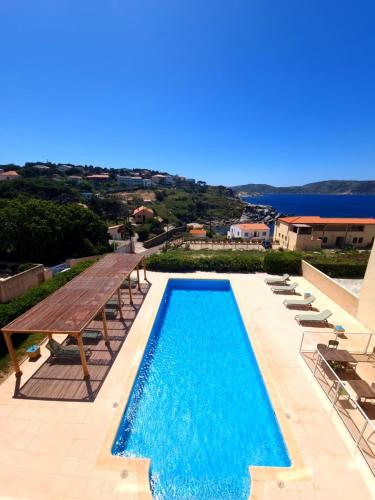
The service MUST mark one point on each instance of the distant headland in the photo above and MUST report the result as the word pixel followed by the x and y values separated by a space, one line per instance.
pixel 323 187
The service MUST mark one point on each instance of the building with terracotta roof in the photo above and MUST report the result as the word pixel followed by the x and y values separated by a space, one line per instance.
pixel 314 232
pixel 10 175
pixel 143 214
pixel 97 178
pixel 197 233
pixel 249 231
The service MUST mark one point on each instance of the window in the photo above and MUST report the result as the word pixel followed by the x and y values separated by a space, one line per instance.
pixel 325 239
pixel 264 233
pixel 360 240
pixel 355 240
pixel 246 235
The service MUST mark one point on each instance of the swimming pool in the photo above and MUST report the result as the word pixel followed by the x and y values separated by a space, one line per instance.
pixel 199 408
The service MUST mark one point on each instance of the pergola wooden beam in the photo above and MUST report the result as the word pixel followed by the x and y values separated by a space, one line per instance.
pixel 85 369
pixel 12 353
pixel 105 326
pixel 120 304
pixel 144 269
pixel 71 308
pixel 130 291
pixel 138 279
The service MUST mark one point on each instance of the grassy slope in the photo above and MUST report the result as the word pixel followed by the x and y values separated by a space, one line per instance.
pixel 184 206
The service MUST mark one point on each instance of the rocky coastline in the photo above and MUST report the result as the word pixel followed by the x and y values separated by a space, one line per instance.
pixel 260 213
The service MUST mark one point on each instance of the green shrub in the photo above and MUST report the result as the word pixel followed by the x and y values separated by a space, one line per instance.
pixel 340 269
pixel 337 265
pixel 282 262
pixel 143 232
pixel 11 310
pixel 340 264
pixel 226 261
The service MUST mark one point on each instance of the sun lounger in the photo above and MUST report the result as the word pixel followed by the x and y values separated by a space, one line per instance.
pixel 112 303
pixel 295 302
pixel 64 351
pixel 125 284
pixel 110 313
pixel 314 318
pixel 285 289
pixel 276 281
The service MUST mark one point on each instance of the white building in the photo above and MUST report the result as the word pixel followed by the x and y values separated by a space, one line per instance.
pixel 41 167
pixel 63 168
pixel 130 180
pixel 9 175
pixel 162 179
pixel 116 232
pixel 249 231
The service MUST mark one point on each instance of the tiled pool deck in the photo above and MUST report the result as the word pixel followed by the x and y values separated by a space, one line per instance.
pixel 61 449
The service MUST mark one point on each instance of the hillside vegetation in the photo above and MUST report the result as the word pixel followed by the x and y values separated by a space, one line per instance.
pixel 208 203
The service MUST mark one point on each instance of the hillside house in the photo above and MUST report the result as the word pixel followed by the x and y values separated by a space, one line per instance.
pixel 313 232
pixel 143 214
pixel 249 231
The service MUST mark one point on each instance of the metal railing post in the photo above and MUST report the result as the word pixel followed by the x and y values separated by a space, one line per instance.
pixel 316 364
pixel 361 434
pixel 368 343
pixel 300 346
pixel 336 393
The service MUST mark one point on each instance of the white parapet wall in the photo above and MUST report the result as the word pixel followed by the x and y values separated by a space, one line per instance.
pixel 334 290
pixel 366 305
pixel 14 286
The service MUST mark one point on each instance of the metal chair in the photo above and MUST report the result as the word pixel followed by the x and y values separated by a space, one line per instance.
pixel 333 344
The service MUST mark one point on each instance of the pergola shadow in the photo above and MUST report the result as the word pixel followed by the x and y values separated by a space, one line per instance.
pixel 61 380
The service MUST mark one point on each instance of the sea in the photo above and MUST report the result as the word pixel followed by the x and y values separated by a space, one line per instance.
pixel 318 204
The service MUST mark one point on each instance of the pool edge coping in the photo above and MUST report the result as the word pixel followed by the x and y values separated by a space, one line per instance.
pixel 138 468
pixel 297 471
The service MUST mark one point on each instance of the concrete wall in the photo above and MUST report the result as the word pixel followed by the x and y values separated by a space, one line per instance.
pixel 366 306
pixel 14 286
pixel 339 294
pixel 161 238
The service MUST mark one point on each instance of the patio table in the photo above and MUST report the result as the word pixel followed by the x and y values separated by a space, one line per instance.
pixel 361 388
pixel 341 356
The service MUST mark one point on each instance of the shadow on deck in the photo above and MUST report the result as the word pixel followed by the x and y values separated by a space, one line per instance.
pixel 62 380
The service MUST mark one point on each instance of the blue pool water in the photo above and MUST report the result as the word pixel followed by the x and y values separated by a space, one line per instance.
pixel 325 205
pixel 199 408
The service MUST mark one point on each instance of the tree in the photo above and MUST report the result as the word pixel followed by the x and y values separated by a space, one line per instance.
pixel 33 230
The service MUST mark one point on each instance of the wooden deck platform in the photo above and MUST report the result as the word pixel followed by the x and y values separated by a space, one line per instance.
pixel 62 380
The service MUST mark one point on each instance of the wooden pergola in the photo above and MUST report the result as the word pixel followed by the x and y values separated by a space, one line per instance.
pixel 70 309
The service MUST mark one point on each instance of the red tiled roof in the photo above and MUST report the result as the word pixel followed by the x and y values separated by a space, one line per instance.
pixel 197 231
pixel 142 209
pixel 252 227
pixel 325 220
pixel 10 173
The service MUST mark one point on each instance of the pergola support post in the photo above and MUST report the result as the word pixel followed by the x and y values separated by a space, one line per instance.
pixel 85 369
pixel 119 303
pixel 105 326
pixel 144 269
pixel 12 354
pixel 130 291
pixel 138 279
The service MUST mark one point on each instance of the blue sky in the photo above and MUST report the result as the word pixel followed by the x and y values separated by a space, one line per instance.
pixel 228 91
